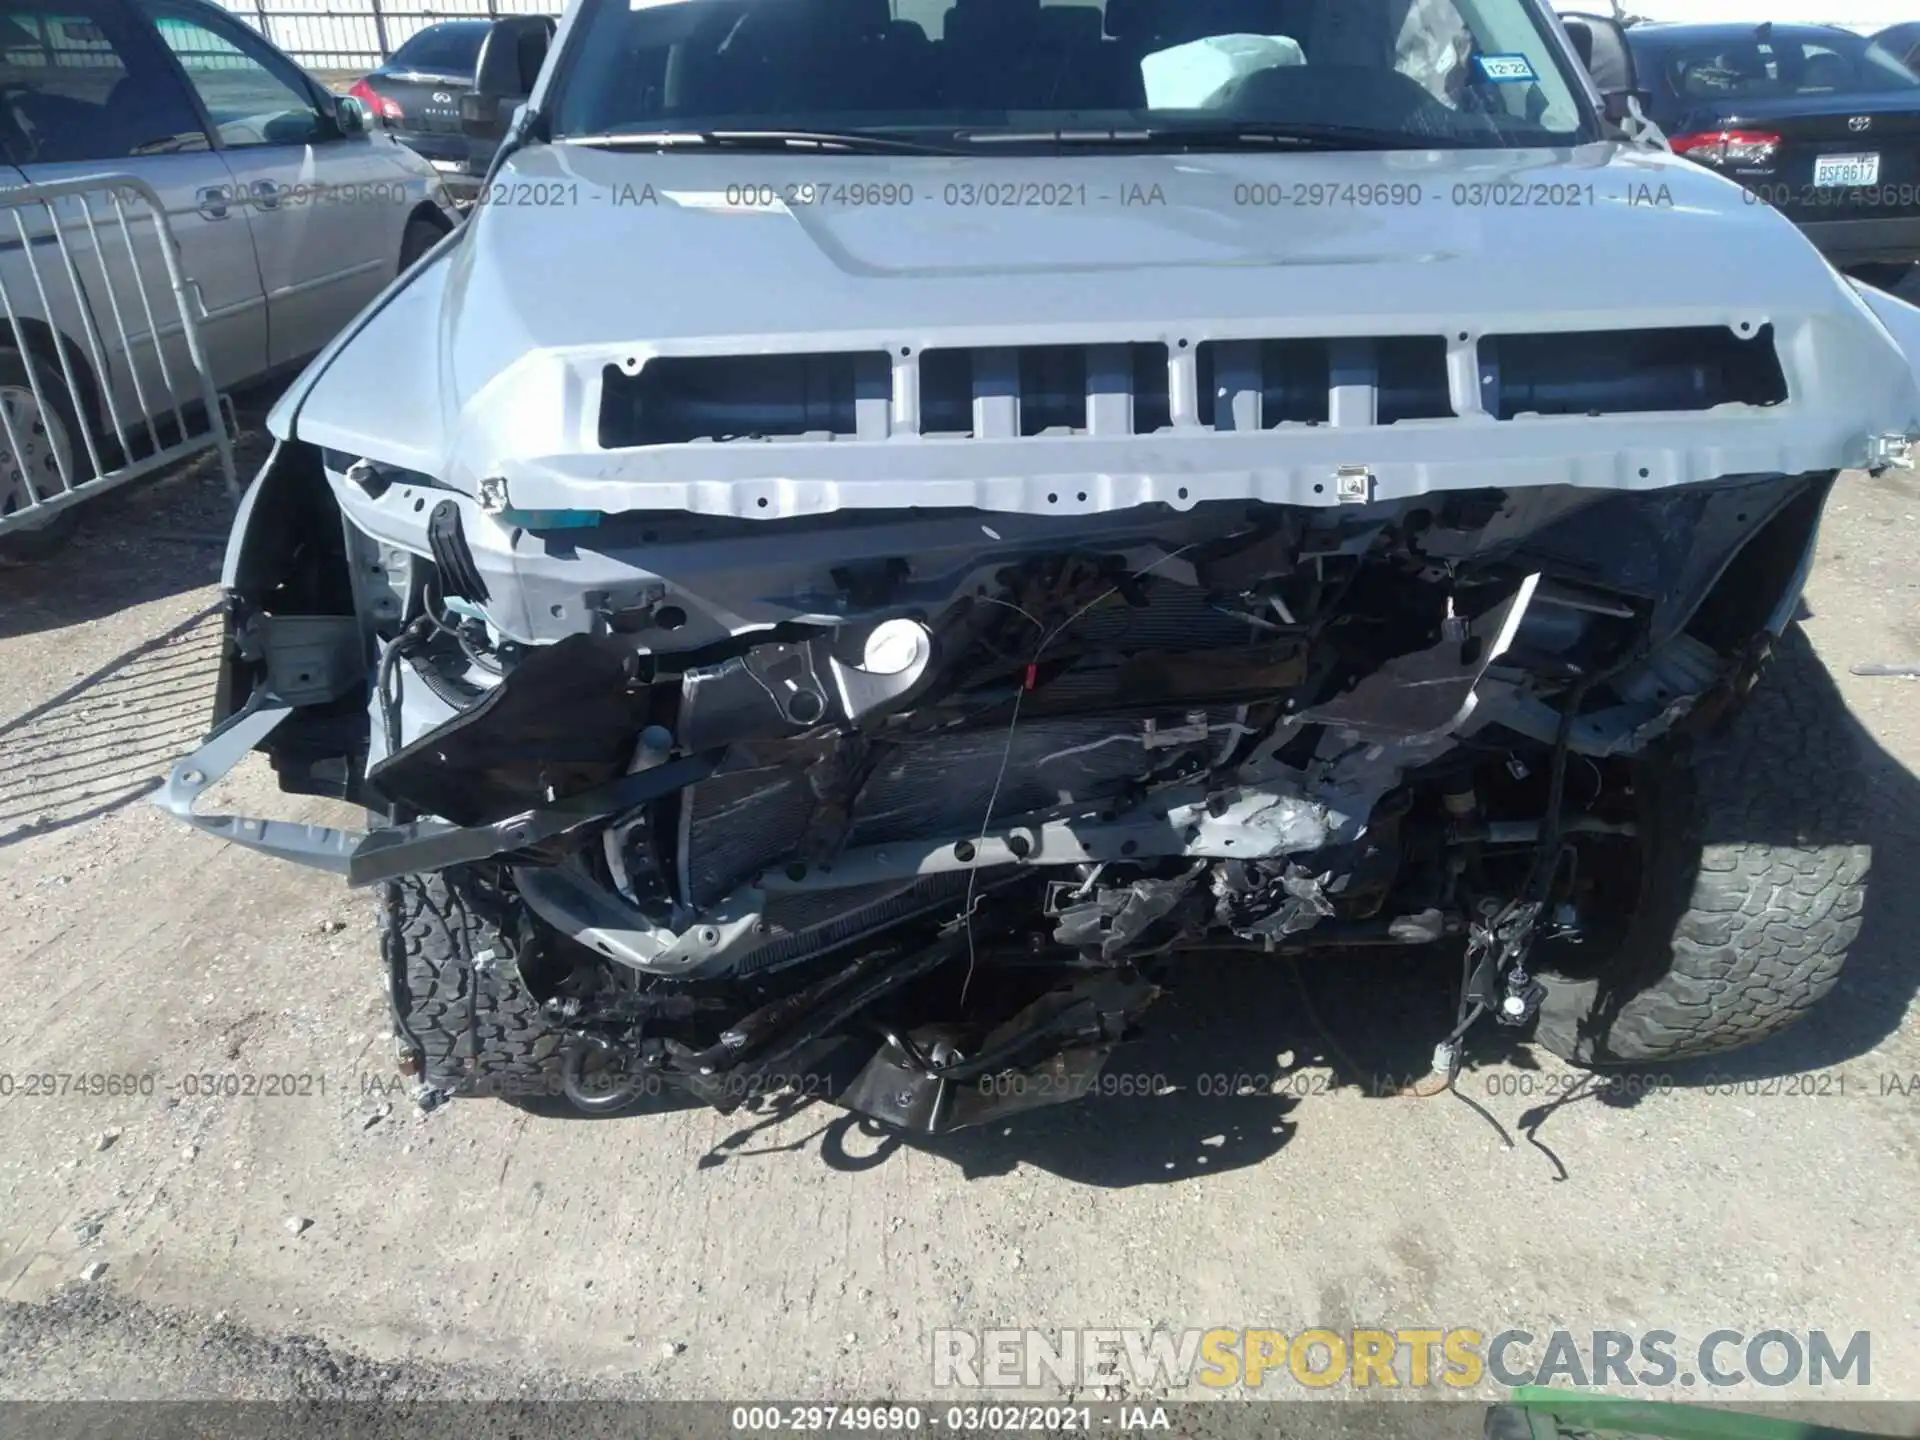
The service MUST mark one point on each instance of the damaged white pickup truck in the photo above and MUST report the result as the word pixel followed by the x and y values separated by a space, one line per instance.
pixel 887 539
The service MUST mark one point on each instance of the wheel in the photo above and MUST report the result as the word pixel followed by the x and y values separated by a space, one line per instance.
pixel 46 441
pixel 1749 890
pixel 454 944
pixel 421 236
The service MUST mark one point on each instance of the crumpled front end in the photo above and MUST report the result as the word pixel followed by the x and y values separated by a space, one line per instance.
pixel 900 708
pixel 924 806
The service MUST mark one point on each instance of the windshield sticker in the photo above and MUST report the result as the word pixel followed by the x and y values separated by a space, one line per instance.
pixel 1506 69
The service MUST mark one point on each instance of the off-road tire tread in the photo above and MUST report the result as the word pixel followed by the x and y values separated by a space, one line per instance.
pixel 1734 939
pixel 433 928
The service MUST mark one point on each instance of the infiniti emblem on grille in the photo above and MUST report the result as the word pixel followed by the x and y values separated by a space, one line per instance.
pixel 1857 123
pixel 441 97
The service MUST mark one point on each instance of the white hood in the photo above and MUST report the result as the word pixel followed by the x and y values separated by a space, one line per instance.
pixel 490 362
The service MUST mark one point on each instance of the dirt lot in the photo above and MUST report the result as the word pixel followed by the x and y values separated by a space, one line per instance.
pixel 481 1250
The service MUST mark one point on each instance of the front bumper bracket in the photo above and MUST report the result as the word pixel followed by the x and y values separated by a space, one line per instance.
pixel 395 850
pixel 315 845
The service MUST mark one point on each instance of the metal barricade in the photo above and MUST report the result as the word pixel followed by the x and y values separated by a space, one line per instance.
pixel 104 319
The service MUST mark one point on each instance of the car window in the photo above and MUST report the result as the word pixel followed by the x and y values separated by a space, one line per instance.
pixel 78 82
pixel 442 50
pixel 1759 66
pixel 1900 45
pixel 252 95
pixel 1438 72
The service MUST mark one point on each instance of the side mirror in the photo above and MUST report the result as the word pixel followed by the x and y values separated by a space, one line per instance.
pixel 350 116
pixel 1614 104
pixel 1600 42
pixel 510 59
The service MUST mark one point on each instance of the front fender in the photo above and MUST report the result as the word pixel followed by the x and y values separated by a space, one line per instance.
pixel 1901 321
pixel 292 628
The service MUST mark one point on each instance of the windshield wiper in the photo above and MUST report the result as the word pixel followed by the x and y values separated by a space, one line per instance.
pixel 847 142
pixel 1211 135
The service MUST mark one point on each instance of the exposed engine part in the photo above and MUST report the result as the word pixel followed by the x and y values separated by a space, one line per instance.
pixel 1497 948
pixel 780 689
pixel 894 657
pixel 1522 999
pixel 1430 692
pixel 1052 1049
pixel 429 845
pixel 951 815
pixel 453 561
pixel 630 835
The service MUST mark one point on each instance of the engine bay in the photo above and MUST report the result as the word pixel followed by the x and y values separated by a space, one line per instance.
pixel 911 808
pixel 969 825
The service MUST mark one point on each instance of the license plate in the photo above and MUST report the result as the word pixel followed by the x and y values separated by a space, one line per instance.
pixel 1843 170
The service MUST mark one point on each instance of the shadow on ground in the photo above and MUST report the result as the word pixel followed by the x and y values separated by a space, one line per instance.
pixel 103 741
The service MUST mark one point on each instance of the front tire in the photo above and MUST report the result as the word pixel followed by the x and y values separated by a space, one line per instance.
pixel 455 946
pixel 1750 890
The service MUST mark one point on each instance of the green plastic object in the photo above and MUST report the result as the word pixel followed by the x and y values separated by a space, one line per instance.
pixel 1542 1413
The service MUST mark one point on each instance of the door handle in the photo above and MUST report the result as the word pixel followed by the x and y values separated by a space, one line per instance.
pixel 266 194
pixel 212 201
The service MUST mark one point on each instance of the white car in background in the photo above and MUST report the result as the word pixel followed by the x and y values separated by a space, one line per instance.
pixel 289 212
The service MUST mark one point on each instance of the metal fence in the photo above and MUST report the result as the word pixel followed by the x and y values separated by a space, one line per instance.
pixel 107 380
pixel 329 37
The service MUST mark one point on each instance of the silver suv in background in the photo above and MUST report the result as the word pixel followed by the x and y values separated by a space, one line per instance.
pixel 290 216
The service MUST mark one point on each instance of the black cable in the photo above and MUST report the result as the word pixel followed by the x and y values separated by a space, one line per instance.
pixel 1479 1109
pixel 1479 1009
pixel 383 687
pixel 1550 830
pixel 433 602
pixel 1535 891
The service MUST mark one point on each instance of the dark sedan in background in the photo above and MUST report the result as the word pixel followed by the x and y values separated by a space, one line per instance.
pixel 1820 122
pixel 417 94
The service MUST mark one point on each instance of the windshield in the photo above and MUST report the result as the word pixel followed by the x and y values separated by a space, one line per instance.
pixel 1756 66
pixel 1421 73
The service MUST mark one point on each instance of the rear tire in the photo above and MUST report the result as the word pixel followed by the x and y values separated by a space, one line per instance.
pixel 1749 894
pixel 454 947
pixel 63 429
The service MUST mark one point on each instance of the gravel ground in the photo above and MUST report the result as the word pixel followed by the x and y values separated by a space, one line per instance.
pixel 334 1241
